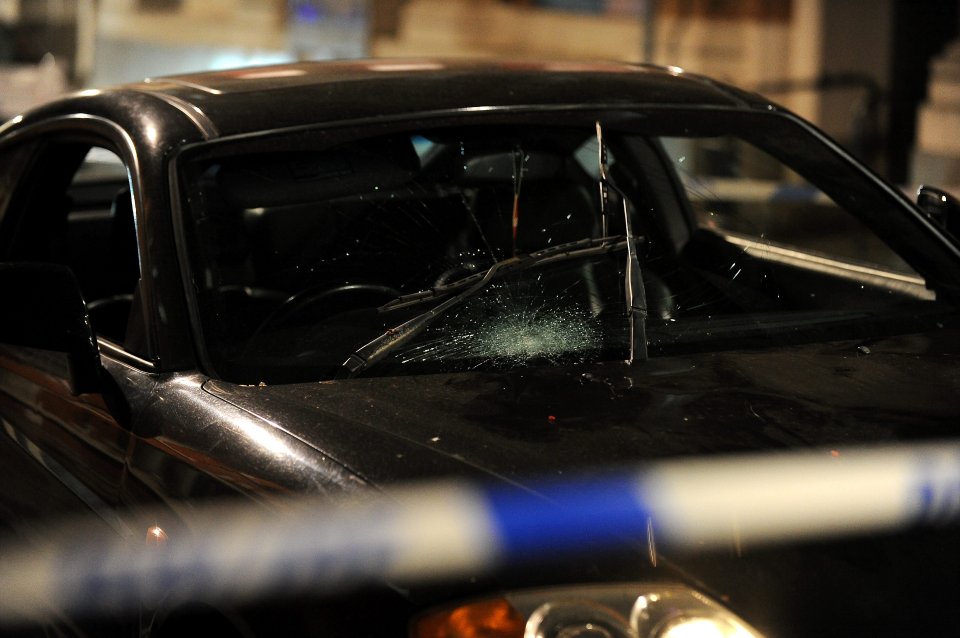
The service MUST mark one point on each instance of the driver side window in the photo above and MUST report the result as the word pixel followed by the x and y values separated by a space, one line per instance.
pixel 74 207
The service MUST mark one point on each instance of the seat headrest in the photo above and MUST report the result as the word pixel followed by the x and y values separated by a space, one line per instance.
pixel 263 180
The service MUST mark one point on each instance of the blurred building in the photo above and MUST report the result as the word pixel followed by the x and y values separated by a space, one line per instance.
pixel 858 70
pixel 936 158
pixel 140 38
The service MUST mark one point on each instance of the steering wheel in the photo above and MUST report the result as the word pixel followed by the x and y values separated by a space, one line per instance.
pixel 320 303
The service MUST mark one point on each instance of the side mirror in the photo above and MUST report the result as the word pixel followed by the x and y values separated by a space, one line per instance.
pixel 43 308
pixel 941 207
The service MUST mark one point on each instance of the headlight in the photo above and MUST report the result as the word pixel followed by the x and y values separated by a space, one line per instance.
pixel 600 611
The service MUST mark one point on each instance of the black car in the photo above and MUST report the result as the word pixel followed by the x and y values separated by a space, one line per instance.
pixel 327 277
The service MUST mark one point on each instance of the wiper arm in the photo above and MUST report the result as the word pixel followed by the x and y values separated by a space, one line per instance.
pixel 635 296
pixel 560 252
pixel 393 338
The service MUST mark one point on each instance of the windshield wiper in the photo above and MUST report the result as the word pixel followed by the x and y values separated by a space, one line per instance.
pixel 396 336
pixel 635 296
pixel 560 252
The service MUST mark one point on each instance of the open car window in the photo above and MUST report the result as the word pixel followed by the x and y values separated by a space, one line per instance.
pixel 73 206
pixel 300 247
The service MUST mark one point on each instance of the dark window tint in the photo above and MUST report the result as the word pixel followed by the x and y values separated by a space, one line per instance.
pixel 458 247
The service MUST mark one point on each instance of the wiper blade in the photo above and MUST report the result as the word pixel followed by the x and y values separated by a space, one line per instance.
pixel 560 252
pixel 393 338
pixel 636 301
pixel 635 295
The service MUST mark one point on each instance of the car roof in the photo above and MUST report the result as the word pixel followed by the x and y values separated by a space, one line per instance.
pixel 256 99
pixel 260 98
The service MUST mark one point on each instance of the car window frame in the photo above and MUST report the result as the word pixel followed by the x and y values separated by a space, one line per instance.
pixel 93 131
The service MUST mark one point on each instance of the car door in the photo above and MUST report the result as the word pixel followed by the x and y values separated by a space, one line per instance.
pixel 69 204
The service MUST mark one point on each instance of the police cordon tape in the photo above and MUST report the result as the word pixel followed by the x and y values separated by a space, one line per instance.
pixel 454 529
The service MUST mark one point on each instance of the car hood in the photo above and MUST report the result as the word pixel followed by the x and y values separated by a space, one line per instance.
pixel 556 420
pixel 553 421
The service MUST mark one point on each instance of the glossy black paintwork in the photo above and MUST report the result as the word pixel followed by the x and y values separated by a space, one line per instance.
pixel 169 434
pixel 227 103
pixel 148 123
pixel 515 425
pixel 309 93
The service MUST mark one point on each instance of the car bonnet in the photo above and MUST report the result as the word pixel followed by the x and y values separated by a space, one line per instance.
pixel 555 420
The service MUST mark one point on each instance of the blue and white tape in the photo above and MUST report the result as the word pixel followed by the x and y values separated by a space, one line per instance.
pixel 453 529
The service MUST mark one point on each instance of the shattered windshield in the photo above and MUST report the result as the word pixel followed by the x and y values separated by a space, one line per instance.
pixel 450 245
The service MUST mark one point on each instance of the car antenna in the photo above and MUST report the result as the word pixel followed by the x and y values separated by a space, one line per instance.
pixel 635 296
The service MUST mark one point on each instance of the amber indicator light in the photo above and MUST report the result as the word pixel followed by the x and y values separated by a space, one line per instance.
pixel 486 619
